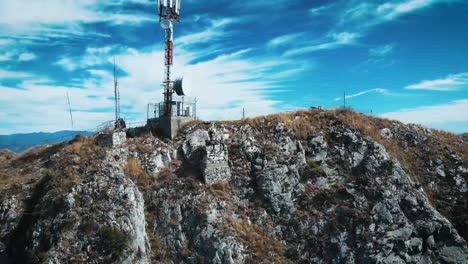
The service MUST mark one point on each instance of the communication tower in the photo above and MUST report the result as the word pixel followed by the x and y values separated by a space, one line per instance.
pixel 169 13
pixel 171 114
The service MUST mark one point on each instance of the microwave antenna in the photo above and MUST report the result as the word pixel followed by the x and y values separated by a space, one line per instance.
pixel 169 11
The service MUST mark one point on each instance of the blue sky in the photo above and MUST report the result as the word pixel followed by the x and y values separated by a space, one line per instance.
pixel 404 59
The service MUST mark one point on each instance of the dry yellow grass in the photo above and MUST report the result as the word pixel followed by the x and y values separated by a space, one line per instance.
pixel 221 189
pixel 457 142
pixel 303 123
pixel 76 147
pixel 134 170
pixel 264 248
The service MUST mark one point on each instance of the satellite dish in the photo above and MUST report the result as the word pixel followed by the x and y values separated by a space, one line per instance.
pixel 182 86
pixel 165 23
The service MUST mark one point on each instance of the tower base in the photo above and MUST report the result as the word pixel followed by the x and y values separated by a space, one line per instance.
pixel 168 126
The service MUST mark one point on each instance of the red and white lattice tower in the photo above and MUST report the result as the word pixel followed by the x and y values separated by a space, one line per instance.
pixel 168 14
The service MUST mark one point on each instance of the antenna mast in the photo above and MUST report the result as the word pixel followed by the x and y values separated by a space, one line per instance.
pixel 70 110
pixel 168 11
pixel 116 96
pixel 344 99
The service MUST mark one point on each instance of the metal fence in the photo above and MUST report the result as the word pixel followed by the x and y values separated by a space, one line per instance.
pixel 182 107
pixel 105 127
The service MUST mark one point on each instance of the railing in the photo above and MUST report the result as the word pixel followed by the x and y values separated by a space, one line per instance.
pixel 105 127
pixel 185 107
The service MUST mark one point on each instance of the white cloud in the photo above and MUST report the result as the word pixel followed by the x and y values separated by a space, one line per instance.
pixel 378 59
pixel 361 16
pixel 4 74
pixel 26 56
pixel 67 64
pixel 393 10
pixel 242 79
pixel 41 20
pixel 355 18
pixel 224 85
pixel 337 40
pixel 213 32
pixel 255 5
pixel 381 51
pixel 50 106
pixel 5 42
pixel 284 39
pixel 59 11
pixel 450 83
pixel 454 111
pixel 6 56
pixel 376 90
pixel 93 56
pixel 317 11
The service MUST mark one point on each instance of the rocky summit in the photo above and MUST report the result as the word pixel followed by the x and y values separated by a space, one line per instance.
pixel 312 186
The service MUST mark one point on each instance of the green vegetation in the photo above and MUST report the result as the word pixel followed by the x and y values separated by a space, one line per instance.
pixel 312 170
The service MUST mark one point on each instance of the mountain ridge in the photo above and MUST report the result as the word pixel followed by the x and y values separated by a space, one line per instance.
pixel 313 186
pixel 20 142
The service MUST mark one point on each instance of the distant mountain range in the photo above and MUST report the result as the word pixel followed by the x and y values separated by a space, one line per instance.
pixel 21 142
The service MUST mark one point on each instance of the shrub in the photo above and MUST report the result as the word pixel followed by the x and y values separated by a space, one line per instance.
pixel 185 252
pixel 113 240
pixel 88 227
pixel 159 249
pixel 312 170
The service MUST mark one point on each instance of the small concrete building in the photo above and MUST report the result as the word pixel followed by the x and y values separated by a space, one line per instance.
pixel 168 126
pixel 182 113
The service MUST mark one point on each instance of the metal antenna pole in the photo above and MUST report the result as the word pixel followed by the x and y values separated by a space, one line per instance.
pixel 168 11
pixel 70 110
pixel 344 99
pixel 195 108
pixel 116 95
pixel 168 57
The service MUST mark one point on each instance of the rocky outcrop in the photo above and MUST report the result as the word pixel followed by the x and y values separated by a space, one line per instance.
pixel 97 216
pixel 438 168
pixel 193 227
pixel 403 224
pixel 211 158
pixel 277 171
pixel 152 154
pixel 9 220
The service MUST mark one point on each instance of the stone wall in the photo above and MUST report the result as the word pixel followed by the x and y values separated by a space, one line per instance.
pixel 211 159
pixel 216 168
